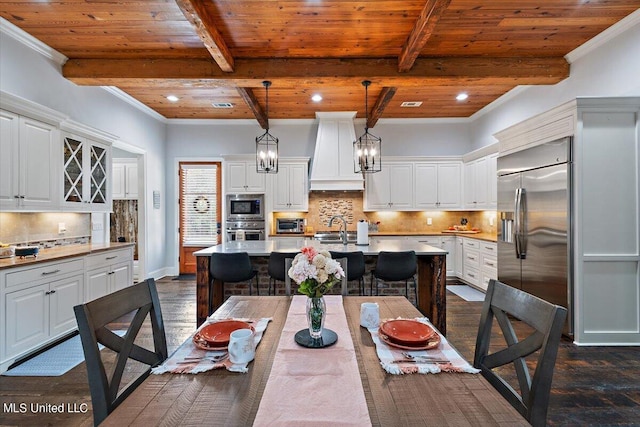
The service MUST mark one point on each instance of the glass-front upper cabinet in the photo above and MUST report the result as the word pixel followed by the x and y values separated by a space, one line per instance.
pixel 85 174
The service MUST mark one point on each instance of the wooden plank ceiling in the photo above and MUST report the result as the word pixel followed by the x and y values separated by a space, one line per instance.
pixel 212 52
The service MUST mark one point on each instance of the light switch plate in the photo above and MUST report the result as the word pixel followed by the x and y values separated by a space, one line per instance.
pixel 429 221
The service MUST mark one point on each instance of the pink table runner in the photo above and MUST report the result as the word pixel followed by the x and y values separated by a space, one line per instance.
pixel 314 386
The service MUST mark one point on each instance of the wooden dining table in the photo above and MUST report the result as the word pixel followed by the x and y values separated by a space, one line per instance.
pixel 220 397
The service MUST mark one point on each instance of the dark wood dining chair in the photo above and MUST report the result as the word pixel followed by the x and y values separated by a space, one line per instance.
pixel 394 267
pixel 545 322
pixel 140 300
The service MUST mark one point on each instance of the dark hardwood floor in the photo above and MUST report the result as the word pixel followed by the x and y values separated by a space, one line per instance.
pixel 593 386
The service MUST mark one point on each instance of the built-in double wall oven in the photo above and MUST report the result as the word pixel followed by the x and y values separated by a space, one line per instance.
pixel 245 217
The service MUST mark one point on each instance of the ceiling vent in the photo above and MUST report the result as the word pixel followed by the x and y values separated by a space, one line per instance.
pixel 222 105
pixel 411 104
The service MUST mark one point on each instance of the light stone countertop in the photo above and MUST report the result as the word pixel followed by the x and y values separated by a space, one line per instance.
pixel 61 252
pixel 265 247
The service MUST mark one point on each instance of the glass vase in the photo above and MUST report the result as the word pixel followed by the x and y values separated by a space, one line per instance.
pixel 316 311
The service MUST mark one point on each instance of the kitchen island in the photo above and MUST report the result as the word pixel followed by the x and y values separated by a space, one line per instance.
pixel 431 276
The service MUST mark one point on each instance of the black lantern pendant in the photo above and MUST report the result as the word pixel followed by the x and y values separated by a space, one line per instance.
pixel 267 144
pixel 367 148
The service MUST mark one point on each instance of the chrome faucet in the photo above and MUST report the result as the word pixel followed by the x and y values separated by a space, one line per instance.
pixel 343 228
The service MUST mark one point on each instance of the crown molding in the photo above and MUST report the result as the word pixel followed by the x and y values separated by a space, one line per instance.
pixel 26 107
pixel 123 96
pixel 80 129
pixel 604 37
pixel 7 28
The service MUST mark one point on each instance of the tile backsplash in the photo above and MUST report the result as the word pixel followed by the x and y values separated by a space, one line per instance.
pixel 323 205
pixel 42 228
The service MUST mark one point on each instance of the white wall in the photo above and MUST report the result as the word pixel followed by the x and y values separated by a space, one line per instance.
pixel 30 75
pixel 611 69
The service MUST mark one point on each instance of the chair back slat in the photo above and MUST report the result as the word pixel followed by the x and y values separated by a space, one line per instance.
pixel 546 321
pixel 93 319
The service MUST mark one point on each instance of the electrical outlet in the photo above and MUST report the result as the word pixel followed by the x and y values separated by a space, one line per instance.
pixel 62 228
pixel 429 221
pixel 491 219
pixel 96 226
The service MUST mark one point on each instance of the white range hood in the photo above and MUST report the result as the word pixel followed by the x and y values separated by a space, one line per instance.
pixel 332 165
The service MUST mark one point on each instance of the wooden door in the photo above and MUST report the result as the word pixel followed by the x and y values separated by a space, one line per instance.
pixel 200 210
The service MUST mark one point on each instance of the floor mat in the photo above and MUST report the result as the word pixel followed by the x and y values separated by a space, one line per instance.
pixel 467 293
pixel 54 362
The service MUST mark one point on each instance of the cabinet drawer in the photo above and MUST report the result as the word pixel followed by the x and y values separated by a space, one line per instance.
pixel 51 271
pixel 472 275
pixel 489 263
pixel 109 257
pixel 471 259
pixel 473 244
pixel 489 248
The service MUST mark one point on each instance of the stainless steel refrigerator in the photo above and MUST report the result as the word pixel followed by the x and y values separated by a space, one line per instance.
pixel 534 233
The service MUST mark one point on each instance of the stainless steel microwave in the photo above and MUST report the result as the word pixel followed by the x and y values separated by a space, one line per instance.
pixel 290 225
pixel 245 207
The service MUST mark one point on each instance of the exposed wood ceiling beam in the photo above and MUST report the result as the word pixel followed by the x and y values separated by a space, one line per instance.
pixel 421 32
pixel 251 100
pixel 196 13
pixel 381 103
pixel 295 73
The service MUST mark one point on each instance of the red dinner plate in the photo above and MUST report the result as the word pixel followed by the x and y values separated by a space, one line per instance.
pixel 407 332
pixel 202 344
pixel 433 342
pixel 217 334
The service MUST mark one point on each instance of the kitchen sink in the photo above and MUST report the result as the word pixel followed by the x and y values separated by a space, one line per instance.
pixel 334 237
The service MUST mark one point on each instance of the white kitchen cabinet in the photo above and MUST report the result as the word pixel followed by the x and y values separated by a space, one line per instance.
pixel 38 302
pixel 86 174
pixel 459 260
pixel 448 243
pixel 108 272
pixel 241 177
pixel 476 187
pixel 492 181
pixel 290 187
pixel 391 188
pixel 488 263
pixel 438 185
pixel 29 164
pixel 125 179
pixel 471 261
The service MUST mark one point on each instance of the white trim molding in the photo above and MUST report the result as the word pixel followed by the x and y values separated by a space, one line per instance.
pixel 28 40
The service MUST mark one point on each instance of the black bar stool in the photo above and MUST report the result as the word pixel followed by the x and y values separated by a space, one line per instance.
pixel 231 268
pixel 355 266
pixel 276 269
pixel 394 267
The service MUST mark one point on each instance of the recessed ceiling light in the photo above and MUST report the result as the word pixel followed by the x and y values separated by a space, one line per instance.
pixel 411 104
pixel 462 96
pixel 316 98
pixel 222 105
pixel 173 98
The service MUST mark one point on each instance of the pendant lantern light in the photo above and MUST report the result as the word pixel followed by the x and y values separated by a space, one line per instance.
pixel 367 148
pixel 267 144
